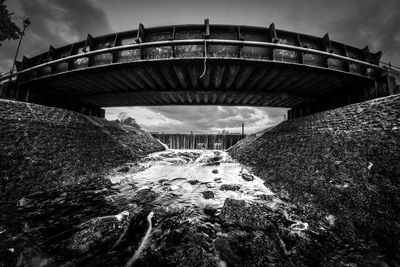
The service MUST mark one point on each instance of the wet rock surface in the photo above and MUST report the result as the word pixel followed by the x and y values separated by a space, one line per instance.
pixel 230 187
pixel 99 231
pixel 208 194
pixel 247 177
pixel 191 218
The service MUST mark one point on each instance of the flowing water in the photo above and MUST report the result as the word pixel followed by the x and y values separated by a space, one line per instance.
pixel 153 213
pixel 186 174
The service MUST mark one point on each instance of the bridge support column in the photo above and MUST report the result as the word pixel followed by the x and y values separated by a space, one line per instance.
pixel 394 81
pixel 8 90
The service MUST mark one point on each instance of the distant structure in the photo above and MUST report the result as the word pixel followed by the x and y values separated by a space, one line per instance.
pixel 198 141
pixel 202 65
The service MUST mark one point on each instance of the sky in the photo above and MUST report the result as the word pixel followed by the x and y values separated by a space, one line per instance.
pixel 59 22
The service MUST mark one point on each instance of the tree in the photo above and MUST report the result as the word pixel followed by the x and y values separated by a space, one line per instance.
pixel 132 121
pixel 8 29
pixel 122 116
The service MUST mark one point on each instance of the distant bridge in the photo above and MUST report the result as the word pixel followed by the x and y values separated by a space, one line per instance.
pixel 200 65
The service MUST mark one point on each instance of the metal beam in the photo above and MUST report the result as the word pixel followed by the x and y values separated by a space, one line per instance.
pixel 232 72
pixel 243 76
pixel 267 78
pixel 194 75
pixel 197 42
pixel 144 76
pixel 179 71
pixel 168 76
pixel 218 75
pixel 258 74
pixel 156 76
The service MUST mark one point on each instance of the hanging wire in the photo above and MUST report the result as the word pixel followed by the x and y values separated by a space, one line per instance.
pixel 205 59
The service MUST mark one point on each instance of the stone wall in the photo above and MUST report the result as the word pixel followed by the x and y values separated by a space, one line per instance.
pixel 45 148
pixel 342 165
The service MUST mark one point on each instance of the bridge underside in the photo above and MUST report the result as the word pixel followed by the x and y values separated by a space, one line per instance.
pixel 201 65
pixel 180 82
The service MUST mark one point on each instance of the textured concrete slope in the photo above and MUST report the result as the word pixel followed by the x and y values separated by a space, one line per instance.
pixel 43 148
pixel 342 166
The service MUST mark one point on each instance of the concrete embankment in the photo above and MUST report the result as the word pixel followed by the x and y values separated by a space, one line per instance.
pixel 343 168
pixel 45 148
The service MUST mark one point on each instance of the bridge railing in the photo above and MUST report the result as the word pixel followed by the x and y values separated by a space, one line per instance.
pixel 79 57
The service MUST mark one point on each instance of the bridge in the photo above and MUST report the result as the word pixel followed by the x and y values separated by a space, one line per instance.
pixel 201 65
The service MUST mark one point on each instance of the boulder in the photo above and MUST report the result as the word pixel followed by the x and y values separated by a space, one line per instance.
pixel 248 177
pixel 98 232
pixel 193 182
pixel 208 194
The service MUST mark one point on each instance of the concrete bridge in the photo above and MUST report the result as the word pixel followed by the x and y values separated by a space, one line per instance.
pixel 201 65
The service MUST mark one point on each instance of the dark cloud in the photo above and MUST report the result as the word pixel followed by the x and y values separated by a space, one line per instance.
pixel 372 22
pixel 54 22
pixel 354 22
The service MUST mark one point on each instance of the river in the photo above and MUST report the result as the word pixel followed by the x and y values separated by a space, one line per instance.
pixel 173 208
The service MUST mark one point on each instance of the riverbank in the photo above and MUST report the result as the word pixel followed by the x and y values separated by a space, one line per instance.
pixel 342 168
pixel 45 148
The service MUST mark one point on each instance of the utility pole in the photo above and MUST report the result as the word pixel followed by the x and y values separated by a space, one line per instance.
pixel 242 130
pixel 26 23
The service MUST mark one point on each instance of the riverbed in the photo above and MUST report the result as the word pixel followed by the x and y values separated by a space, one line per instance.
pixel 172 208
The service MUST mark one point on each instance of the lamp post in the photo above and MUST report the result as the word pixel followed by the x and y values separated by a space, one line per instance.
pixel 26 23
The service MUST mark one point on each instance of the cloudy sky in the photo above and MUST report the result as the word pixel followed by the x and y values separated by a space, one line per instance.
pixel 58 22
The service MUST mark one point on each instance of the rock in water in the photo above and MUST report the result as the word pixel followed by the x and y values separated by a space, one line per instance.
pixel 208 194
pixel 193 182
pixel 212 163
pixel 248 177
pixel 99 231
pixel 230 187
pixel 25 202
pixel 178 179
pixel 123 169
